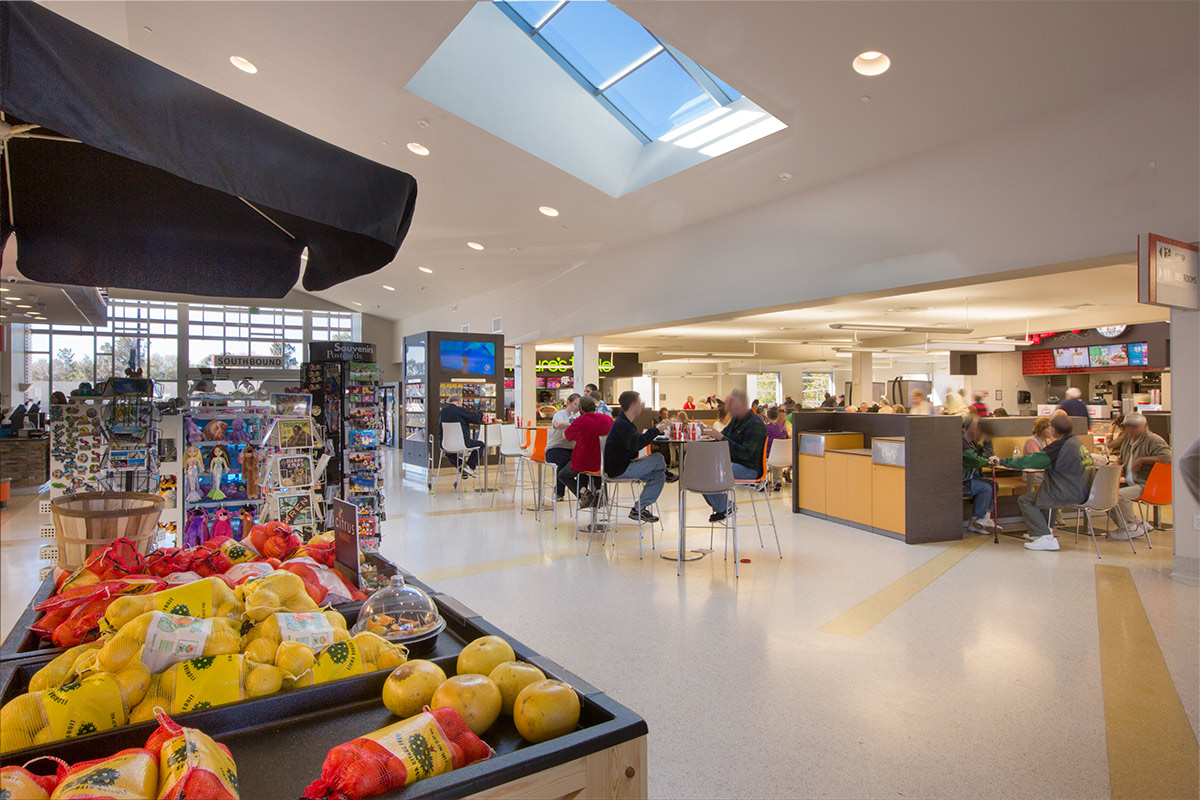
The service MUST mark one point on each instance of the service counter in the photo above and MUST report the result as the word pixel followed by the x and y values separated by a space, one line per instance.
pixel 892 474
pixel 26 461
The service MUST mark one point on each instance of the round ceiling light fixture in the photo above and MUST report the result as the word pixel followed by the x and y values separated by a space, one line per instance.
pixel 871 63
pixel 426 270
pixel 549 211
pixel 243 64
pixel 418 148
pixel 475 245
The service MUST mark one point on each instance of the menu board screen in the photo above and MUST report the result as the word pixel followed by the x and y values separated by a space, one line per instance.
pixel 1108 355
pixel 1139 354
pixel 1071 357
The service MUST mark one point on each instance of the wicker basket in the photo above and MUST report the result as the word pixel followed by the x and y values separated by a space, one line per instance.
pixel 89 521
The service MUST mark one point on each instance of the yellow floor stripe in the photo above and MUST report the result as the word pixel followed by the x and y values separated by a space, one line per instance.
pixel 575 551
pixel 870 612
pixel 1152 750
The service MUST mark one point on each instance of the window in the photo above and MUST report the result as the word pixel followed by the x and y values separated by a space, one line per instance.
pixel 239 330
pixel 813 388
pixel 651 87
pixel 763 387
pixel 332 326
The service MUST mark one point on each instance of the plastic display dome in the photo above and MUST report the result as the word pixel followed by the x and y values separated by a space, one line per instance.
pixel 401 613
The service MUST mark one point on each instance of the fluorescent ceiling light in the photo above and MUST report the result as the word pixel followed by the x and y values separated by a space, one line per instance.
pixel 549 211
pixel 355 302
pixel 475 245
pixel 694 124
pixel 743 137
pixel 426 270
pixel 871 63
pixel 24 305
pixel 885 328
pixel 983 347
pixel 743 354
pixel 719 128
pixel 389 288
pixel 418 148
pixel 4 289
pixel 821 342
pixel 243 64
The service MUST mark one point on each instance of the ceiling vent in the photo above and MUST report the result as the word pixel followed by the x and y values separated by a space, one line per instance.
pixel 466 328
pixel 497 325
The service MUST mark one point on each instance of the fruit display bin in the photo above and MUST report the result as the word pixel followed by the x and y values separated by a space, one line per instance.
pixel 279 742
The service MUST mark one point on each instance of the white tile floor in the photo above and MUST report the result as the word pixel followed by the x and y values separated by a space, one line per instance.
pixel 986 684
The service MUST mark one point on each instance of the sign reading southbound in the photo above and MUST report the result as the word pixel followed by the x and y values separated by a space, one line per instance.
pixel 1168 272
pixel 251 362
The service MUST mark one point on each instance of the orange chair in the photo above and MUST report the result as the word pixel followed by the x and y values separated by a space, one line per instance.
pixel 1156 492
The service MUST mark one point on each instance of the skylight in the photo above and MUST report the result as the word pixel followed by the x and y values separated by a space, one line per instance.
pixel 649 86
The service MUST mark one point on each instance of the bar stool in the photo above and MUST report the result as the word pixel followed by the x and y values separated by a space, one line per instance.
pixel 510 448
pixel 708 469
pixel 533 459
pixel 492 434
pixel 758 486
pixel 598 481
pixel 455 447
pixel 780 457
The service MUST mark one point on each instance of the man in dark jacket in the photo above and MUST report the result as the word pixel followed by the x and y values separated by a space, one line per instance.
pixel 454 413
pixel 747 437
pixel 1074 405
pixel 1066 481
pixel 621 456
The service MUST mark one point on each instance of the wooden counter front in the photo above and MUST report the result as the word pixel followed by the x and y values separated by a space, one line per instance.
pixel 888 498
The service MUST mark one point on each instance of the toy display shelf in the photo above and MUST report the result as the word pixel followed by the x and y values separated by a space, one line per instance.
pixel 604 757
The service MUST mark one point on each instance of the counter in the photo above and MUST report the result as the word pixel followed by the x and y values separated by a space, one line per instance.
pixel 810 480
pixel 25 461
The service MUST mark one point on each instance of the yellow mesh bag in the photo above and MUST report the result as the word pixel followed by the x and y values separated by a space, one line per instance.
pixel 210 597
pixel 95 703
pixel 129 775
pixel 61 670
pixel 208 682
pixel 281 591
pixel 161 640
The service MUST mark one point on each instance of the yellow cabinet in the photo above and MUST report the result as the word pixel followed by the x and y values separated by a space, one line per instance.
pixel 887 498
pixel 810 482
pixel 837 493
pixel 860 489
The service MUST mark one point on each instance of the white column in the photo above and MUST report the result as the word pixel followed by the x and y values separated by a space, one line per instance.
pixel 587 361
pixel 862 373
pixel 1185 427
pixel 525 383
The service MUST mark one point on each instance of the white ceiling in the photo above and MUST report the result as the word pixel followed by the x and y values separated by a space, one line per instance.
pixel 337 70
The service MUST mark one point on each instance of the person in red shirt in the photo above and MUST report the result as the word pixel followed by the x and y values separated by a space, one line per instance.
pixel 585 431
pixel 690 405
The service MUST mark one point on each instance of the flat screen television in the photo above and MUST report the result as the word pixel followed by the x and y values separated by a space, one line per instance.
pixel 1139 354
pixel 1108 355
pixel 468 358
pixel 1071 357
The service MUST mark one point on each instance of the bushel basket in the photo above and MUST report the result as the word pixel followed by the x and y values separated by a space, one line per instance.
pixel 89 521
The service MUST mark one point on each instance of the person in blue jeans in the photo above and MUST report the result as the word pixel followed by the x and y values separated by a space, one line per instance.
pixel 977 449
pixel 747 436
pixel 621 456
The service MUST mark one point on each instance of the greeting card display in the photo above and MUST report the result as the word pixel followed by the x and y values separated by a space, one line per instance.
pixel 295 472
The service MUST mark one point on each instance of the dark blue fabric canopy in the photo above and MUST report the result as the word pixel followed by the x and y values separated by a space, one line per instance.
pixel 171 184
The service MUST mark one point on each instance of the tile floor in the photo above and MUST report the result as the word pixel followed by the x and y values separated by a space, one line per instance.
pixel 985 684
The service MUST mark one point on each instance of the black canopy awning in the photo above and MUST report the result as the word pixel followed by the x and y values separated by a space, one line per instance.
pixel 172 186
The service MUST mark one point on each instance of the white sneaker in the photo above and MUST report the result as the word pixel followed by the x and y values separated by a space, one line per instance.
pixel 985 525
pixel 470 473
pixel 1047 542
pixel 1136 528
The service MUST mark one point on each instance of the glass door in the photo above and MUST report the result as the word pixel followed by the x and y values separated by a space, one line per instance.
pixel 391 394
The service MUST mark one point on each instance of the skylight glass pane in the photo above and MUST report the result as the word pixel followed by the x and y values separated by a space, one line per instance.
pixel 533 11
pixel 598 39
pixel 660 96
pixel 733 93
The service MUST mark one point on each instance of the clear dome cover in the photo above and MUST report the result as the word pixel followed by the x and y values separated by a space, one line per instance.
pixel 400 612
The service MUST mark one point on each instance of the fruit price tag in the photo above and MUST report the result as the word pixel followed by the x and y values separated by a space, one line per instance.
pixel 171 639
pixel 86 706
pixel 188 600
pixel 419 744
pixel 312 629
pixel 206 682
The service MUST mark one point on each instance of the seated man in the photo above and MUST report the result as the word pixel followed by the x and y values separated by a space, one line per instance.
pixel 1140 451
pixel 453 412
pixel 976 450
pixel 747 437
pixel 558 446
pixel 1065 482
pixel 621 456
pixel 585 431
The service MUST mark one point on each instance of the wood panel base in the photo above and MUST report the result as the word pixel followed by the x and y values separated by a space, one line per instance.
pixel 618 772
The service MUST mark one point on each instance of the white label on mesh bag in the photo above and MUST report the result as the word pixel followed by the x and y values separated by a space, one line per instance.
pixel 171 639
pixel 256 569
pixel 312 629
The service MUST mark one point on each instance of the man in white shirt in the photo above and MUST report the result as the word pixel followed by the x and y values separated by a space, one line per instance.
pixel 558 446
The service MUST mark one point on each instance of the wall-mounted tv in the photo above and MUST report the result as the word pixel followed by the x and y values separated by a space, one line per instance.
pixel 1139 354
pixel 1071 358
pixel 468 358
pixel 1108 355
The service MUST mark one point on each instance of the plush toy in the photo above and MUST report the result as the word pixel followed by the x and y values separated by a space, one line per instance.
pixel 237 434
pixel 197 528
pixel 248 459
pixel 215 430
pixel 218 465
pixel 222 524
pixel 247 517
pixel 193 465
pixel 191 431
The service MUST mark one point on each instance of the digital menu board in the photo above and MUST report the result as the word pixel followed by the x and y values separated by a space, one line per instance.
pixel 1071 358
pixel 1108 355
pixel 1139 354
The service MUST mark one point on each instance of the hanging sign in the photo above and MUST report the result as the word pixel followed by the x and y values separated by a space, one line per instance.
pixel 244 362
pixel 1168 272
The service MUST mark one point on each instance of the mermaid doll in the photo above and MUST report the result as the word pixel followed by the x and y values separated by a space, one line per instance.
pixel 193 465
pixel 218 465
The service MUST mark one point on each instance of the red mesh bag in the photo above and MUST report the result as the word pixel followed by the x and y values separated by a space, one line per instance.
pixel 431 743
pixel 165 560
pixel 210 562
pixel 73 614
pixel 320 552
pixel 321 581
pixel 274 540
pixel 45 626
pixel 21 784
pixel 190 764
pixel 83 625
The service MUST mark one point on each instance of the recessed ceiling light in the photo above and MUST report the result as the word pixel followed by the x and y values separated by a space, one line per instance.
pixel 5 289
pixel 389 288
pixel 866 98
pixel 475 245
pixel 871 63
pixel 12 298
pixel 355 302
pixel 383 142
pixel 548 211
pixel 243 64
pixel 426 270
pixel 24 305
pixel 418 148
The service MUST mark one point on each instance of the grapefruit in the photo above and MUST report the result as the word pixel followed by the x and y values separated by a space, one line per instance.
pixel 511 677
pixel 410 687
pixel 483 655
pixel 546 710
pixel 473 696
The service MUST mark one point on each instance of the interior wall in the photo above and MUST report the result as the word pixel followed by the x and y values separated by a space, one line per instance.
pixel 1001 372
pixel 1185 428
pixel 381 333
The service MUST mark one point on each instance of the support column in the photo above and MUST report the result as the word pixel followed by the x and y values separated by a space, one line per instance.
pixel 862 375
pixel 587 361
pixel 525 383
pixel 1185 428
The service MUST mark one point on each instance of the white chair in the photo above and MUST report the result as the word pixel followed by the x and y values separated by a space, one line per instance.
pixel 780 457
pixel 758 486
pixel 708 469
pixel 510 447
pixel 1102 498
pixel 455 450
pixel 635 486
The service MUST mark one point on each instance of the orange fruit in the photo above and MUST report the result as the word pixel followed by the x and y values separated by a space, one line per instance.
pixel 546 710
pixel 410 687
pixel 511 677
pixel 473 696
pixel 483 655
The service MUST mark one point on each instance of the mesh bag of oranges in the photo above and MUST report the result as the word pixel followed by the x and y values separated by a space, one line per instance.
pixel 362 653
pixel 315 629
pixel 207 682
pixel 419 747
pixel 279 591
pixel 161 639
pixel 191 764
pixel 210 597
pixel 96 703
pixel 19 783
